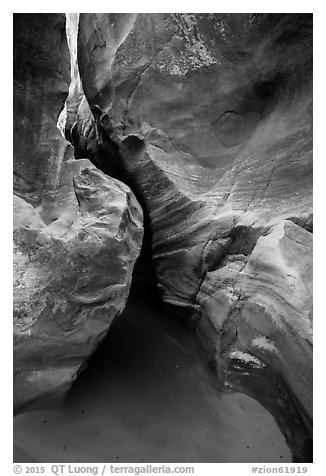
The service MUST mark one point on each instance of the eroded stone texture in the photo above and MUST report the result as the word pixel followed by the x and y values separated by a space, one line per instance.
pixel 257 319
pixel 212 115
pixel 41 78
pixel 221 109
pixel 77 232
pixel 72 276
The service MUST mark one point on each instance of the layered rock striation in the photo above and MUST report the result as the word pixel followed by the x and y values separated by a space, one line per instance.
pixel 208 117
pixel 77 232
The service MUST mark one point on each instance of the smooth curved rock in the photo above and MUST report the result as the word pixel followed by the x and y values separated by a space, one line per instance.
pixel 77 232
pixel 212 115
pixel 172 91
pixel 257 318
pixel 76 92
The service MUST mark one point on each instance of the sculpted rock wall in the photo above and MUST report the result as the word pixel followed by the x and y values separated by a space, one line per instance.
pixel 257 322
pixel 77 232
pixel 210 116
pixel 41 78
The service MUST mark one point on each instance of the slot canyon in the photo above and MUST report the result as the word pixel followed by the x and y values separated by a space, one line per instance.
pixel 162 237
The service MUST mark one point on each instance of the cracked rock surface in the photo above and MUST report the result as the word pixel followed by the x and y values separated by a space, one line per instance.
pixel 209 119
pixel 77 232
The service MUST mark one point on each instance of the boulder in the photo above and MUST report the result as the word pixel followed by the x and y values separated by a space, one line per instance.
pixel 73 265
pixel 77 232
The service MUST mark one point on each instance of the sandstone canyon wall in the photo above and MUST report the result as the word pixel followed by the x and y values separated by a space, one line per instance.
pixel 77 232
pixel 208 117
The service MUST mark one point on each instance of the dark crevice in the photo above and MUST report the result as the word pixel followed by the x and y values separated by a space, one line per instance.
pixel 305 223
pixel 98 143
pixel 105 154
pixel 102 147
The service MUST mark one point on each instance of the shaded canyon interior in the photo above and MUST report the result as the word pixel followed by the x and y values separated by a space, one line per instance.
pixel 163 165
